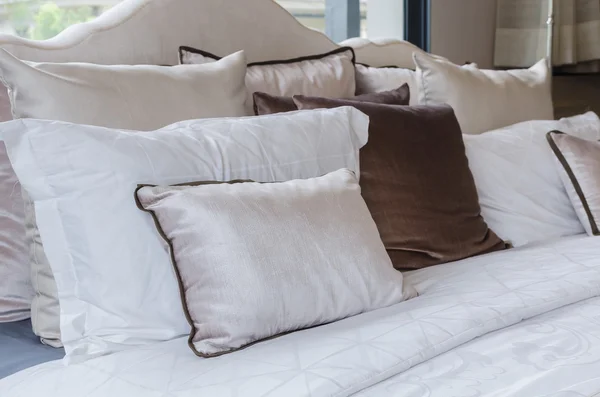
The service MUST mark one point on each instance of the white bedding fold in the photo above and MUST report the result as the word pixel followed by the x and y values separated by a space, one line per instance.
pixel 459 302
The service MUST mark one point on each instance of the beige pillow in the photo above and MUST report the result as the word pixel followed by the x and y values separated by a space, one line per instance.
pixel 484 100
pixel 139 97
pixel 370 80
pixel 330 75
pixel 259 260
pixel 578 162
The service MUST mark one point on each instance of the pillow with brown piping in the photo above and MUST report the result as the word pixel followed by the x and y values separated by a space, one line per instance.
pixel 416 181
pixel 269 104
pixel 258 260
pixel 578 162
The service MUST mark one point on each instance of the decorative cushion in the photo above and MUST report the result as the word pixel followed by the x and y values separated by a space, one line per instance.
pixel 578 161
pixel 98 243
pixel 131 97
pixel 484 100
pixel 270 104
pixel 329 75
pixel 259 260
pixel 370 80
pixel 521 195
pixel 416 181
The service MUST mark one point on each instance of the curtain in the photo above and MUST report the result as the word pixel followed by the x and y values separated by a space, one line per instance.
pixel 521 33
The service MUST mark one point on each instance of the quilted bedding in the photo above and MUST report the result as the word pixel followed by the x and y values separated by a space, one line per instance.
pixel 524 322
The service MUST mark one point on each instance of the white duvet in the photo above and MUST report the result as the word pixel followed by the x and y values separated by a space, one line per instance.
pixel 465 335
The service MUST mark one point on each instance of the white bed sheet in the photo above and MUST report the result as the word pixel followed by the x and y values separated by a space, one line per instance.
pixel 397 351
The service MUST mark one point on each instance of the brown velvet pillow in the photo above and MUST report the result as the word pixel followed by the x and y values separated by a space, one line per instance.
pixel 416 181
pixel 270 104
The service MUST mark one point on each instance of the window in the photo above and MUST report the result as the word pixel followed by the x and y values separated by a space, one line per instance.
pixel 43 19
pixel 311 13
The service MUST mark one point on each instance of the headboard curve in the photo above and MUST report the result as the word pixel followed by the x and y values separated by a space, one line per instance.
pixel 151 31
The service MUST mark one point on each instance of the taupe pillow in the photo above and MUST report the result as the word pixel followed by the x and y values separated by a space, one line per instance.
pixel 270 104
pixel 330 75
pixel 416 181
pixel 258 260
pixel 578 162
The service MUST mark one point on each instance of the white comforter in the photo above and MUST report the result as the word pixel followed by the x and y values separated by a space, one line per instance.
pixel 423 347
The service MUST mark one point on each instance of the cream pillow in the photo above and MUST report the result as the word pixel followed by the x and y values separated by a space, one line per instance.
pixel 138 97
pixel 485 100
pixel 578 162
pixel 370 80
pixel 258 260
pixel 329 75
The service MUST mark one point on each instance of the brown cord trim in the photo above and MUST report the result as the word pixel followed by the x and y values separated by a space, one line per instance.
pixel 574 181
pixel 180 280
pixel 207 54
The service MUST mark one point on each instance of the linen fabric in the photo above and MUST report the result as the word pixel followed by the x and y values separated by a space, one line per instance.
pixel 578 162
pixel 15 286
pixel 416 181
pixel 520 191
pixel 259 260
pixel 484 100
pixel 370 80
pixel 82 179
pixel 140 97
pixel 329 75
pixel 270 104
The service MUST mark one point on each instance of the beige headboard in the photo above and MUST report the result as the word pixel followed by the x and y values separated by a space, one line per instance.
pixel 151 31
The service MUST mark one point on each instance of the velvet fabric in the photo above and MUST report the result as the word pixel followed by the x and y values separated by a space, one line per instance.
pixel 270 104
pixel 416 181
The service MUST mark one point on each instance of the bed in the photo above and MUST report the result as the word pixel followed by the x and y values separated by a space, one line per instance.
pixel 525 322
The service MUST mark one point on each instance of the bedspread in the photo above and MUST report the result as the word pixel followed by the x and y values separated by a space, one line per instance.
pixel 463 336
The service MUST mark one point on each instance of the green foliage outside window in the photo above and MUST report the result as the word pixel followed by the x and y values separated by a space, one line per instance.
pixel 40 21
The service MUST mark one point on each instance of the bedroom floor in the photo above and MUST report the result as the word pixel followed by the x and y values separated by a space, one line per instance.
pixel 576 94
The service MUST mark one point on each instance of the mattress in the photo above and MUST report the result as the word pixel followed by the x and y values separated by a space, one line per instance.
pixel 20 348
pixel 523 322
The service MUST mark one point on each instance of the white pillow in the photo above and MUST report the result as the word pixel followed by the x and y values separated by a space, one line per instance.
pixel 140 97
pixel 370 80
pixel 329 75
pixel 115 283
pixel 281 247
pixel 520 190
pixel 484 100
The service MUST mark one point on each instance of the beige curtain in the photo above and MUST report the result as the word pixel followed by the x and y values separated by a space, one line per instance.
pixel 521 33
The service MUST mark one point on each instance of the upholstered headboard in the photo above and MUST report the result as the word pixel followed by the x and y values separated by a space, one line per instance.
pixel 150 31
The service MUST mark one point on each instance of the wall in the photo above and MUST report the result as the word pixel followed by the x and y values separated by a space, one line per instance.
pixel 463 30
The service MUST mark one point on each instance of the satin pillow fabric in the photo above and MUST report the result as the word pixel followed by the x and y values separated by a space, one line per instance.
pixel 578 162
pixel 371 80
pixel 485 100
pixel 258 260
pixel 99 244
pixel 329 75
